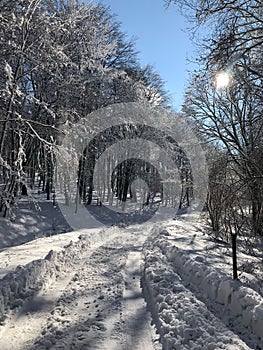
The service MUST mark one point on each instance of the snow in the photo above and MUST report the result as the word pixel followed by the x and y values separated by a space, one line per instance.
pixel 160 285
pixel 186 294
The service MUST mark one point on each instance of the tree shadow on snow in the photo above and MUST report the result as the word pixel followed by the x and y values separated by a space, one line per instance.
pixel 104 313
pixel 91 332
pixel 32 222
pixel 109 217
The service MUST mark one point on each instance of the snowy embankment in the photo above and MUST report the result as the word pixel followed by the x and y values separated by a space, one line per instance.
pixel 196 306
pixel 37 267
pixel 27 280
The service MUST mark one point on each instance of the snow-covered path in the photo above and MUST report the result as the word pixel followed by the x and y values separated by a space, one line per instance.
pixel 98 304
pixel 138 333
pixel 93 292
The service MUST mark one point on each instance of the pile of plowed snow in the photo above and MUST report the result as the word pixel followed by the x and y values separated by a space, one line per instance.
pixel 196 306
pixel 25 281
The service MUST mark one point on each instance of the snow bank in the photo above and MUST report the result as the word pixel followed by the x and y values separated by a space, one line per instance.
pixel 167 272
pixel 27 280
pixel 241 301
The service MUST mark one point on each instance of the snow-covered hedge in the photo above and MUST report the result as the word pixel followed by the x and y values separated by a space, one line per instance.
pixel 243 303
pixel 27 280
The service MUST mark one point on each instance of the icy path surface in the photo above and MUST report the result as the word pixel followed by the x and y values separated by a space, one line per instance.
pixel 96 305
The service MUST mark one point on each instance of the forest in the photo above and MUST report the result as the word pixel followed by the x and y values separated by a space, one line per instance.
pixel 61 60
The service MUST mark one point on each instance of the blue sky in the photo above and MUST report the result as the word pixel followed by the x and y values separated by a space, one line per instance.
pixel 161 40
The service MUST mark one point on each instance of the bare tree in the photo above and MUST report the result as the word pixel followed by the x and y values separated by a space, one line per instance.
pixel 232 119
pixel 235 33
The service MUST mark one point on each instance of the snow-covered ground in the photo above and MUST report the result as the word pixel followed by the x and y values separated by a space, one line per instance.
pixel 195 304
pixel 160 285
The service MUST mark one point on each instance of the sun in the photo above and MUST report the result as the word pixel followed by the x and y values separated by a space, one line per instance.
pixel 222 80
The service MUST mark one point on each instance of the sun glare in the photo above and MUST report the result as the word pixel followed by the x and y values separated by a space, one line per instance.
pixel 222 80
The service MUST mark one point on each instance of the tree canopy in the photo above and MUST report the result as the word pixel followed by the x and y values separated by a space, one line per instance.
pixel 59 60
pixel 229 118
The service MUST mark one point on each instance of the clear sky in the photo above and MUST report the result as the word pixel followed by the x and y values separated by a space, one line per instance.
pixel 161 40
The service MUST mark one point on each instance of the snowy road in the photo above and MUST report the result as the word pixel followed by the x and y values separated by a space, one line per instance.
pixel 96 305
pixel 92 295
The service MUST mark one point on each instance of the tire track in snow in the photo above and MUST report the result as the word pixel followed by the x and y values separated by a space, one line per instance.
pixel 102 307
pixel 83 315
pixel 98 304
pixel 24 325
pixel 138 333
